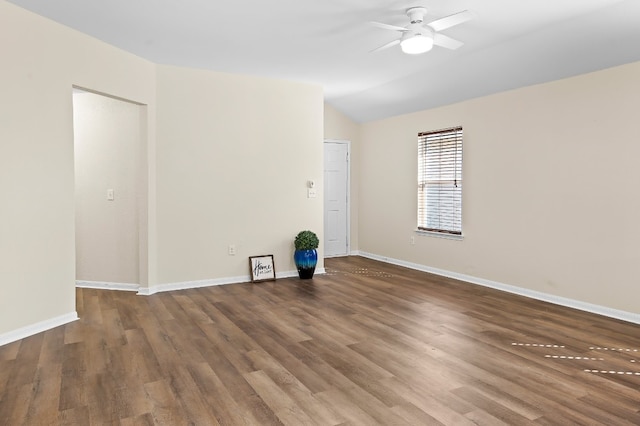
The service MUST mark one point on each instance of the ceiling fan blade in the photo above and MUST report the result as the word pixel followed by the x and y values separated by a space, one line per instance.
pixel 446 41
pixel 385 46
pixel 450 21
pixel 388 27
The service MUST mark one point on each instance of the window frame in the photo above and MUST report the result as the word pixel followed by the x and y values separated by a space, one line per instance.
pixel 440 162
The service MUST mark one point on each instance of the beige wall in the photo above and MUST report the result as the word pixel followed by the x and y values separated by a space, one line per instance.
pixel 230 167
pixel 234 156
pixel 41 61
pixel 338 126
pixel 549 201
pixel 107 151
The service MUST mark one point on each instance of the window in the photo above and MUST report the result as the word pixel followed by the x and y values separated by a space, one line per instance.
pixel 440 181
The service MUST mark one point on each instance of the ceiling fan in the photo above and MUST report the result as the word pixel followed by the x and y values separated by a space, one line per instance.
pixel 418 37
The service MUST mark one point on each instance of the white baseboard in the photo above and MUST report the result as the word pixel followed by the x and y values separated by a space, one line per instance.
pixel 38 327
pixel 350 253
pixel 102 285
pixel 147 291
pixel 557 300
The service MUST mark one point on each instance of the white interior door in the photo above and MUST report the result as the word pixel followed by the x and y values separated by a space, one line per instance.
pixel 336 198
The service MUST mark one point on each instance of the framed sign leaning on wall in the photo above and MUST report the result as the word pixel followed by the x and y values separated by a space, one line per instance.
pixel 262 268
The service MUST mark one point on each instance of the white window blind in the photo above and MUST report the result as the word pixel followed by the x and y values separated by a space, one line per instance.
pixel 440 181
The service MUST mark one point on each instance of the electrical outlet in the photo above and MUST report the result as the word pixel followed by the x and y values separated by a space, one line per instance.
pixel 232 250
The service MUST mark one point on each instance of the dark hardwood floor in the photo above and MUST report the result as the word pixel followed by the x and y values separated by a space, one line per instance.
pixel 365 344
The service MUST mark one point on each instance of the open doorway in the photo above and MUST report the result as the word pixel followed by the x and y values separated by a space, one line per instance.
pixel 110 170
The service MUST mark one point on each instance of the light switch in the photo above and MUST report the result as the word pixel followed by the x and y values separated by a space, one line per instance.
pixel 110 194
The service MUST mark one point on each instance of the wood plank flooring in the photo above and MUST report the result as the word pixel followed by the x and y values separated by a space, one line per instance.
pixel 365 344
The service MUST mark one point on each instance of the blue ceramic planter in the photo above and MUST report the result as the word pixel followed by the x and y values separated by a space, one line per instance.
pixel 306 261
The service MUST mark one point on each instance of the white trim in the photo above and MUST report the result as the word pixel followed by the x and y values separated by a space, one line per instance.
pixel 103 285
pixel 36 328
pixel 446 236
pixel 557 300
pixel 148 291
pixel 348 236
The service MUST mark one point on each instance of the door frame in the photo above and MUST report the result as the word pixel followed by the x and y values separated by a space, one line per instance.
pixel 143 205
pixel 348 183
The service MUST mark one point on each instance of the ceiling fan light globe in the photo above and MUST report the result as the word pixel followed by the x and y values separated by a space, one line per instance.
pixel 416 44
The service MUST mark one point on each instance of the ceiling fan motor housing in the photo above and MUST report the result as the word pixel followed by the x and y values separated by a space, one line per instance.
pixel 416 14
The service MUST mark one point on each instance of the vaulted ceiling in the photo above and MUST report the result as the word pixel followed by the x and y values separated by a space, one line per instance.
pixel 507 44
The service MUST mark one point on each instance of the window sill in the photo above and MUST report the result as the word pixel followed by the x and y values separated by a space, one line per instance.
pixel 439 235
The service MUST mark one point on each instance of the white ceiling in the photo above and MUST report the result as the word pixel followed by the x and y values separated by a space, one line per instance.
pixel 508 44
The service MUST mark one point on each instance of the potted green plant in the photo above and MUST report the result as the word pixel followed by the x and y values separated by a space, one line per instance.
pixel 306 256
